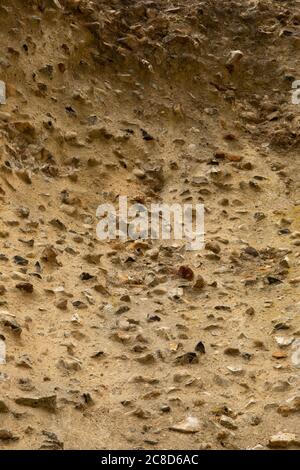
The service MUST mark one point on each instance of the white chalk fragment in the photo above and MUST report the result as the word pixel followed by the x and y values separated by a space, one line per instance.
pixel 234 58
pixel 2 92
pixel 57 4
